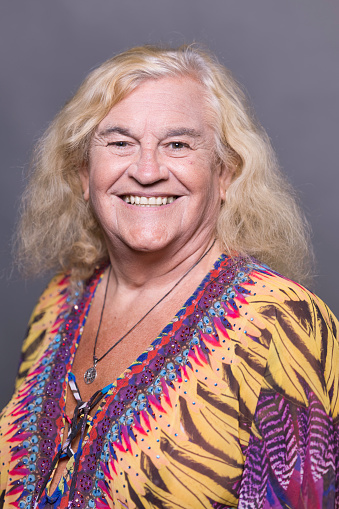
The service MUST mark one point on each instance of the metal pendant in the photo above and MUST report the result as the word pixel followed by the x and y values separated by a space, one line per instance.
pixel 90 375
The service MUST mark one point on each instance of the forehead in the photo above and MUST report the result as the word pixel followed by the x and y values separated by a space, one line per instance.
pixel 169 102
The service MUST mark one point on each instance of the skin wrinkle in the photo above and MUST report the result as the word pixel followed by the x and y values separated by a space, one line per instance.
pixel 179 131
pixel 131 153
pixel 150 166
pixel 58 230
pixel 149 247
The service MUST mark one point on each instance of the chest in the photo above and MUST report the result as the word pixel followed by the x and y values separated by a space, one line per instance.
pixel 117 341
pixel 171 414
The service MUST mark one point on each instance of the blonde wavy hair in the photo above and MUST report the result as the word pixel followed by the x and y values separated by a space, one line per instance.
pixel 260 216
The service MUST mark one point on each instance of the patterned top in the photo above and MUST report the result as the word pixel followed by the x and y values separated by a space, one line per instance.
pixel 234 404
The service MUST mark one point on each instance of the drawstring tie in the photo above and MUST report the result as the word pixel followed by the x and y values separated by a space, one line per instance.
pixel 76 425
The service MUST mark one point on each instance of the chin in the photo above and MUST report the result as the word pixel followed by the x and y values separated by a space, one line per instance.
pixel 148 247
pixel 148 241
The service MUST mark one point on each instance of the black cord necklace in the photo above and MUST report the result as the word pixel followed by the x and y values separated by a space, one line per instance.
pixel 91 374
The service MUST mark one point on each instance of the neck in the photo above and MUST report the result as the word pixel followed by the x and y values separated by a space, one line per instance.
pixel 141 269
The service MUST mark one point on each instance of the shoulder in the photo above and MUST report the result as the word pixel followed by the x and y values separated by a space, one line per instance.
pixel 299 314
pixel 262 309
pixel 52 300
pixel 270 296
pixel 293 297
pixel 52 303
pixel 301 335
pixel 284 322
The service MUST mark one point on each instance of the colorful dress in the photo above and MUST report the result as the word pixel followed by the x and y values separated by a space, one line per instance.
pixel 234 404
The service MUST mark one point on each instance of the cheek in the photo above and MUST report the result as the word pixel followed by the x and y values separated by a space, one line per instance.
pixel 209 183
pixel 98 180
pixel 105 170
pixel 99 167
pixel 199 173
pixel 101 177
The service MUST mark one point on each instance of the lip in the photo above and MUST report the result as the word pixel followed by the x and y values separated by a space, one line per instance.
pixel 149 206
pixel 147 195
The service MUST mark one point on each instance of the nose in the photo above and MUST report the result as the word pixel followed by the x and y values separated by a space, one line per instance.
pixel 148 169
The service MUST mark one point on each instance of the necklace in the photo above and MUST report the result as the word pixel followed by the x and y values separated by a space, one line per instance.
pixel 91 374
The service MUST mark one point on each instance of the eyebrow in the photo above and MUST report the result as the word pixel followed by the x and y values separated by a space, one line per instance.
pixel 179 131
pixel 115 129
pixel 183 131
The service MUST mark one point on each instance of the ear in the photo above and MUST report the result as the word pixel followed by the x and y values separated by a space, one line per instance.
pixel 225 178
pixel 84 179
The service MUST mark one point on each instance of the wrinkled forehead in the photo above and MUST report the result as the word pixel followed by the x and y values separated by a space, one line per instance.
pixel 171 102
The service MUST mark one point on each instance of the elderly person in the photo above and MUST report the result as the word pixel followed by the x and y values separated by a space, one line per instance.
pixel 168 364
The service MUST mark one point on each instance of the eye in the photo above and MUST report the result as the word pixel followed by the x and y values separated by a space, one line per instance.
pixel 177 145
pixel 121 148
pixel 119 144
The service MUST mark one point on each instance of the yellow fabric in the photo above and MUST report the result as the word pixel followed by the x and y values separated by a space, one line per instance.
pixel 201 440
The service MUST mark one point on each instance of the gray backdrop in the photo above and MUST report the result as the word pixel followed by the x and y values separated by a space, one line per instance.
pixel 284 52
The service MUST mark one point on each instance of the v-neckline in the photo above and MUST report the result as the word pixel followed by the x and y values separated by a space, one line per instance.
pixel 109 389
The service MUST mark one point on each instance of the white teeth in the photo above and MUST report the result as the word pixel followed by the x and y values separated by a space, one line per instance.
pixel 152 201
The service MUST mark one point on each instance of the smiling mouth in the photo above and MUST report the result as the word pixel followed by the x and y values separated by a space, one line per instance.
pixel 152 201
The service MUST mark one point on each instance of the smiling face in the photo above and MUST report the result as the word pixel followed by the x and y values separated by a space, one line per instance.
pixel 151 178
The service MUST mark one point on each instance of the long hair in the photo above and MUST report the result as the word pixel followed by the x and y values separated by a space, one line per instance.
pixel 260 216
